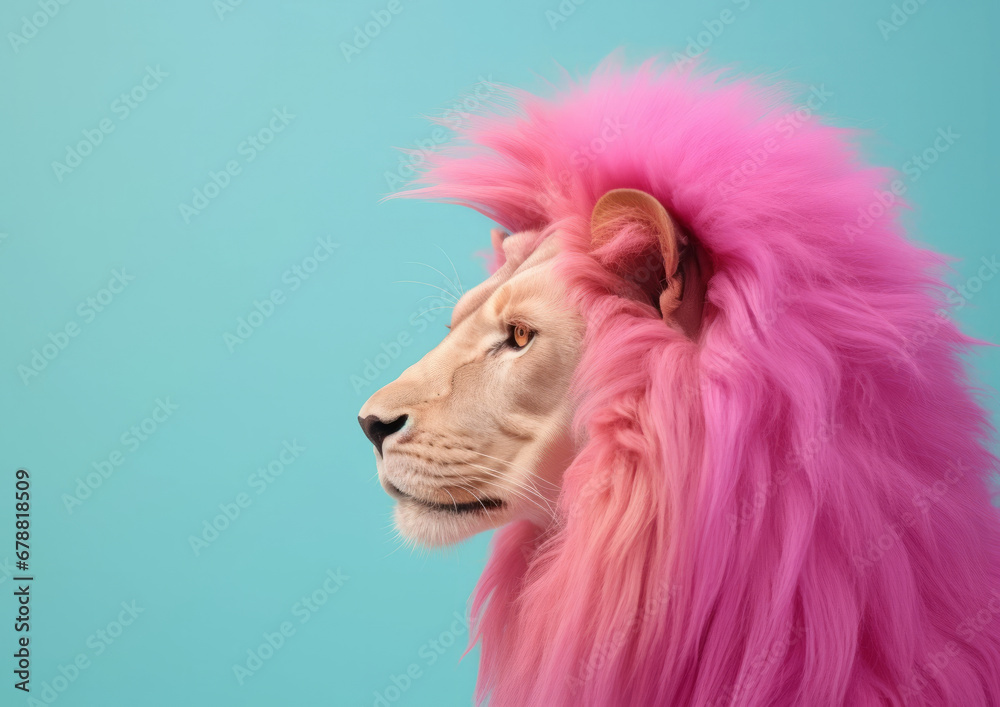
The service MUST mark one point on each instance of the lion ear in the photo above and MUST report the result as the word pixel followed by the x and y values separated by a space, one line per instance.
pixel 497 236
pixel 686 269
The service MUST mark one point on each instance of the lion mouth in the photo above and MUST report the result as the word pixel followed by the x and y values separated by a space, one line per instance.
pixel 481 506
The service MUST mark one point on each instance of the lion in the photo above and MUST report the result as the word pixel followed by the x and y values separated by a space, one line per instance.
pixel 719 421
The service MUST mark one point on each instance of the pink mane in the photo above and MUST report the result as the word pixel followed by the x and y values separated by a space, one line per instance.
pixel 796 510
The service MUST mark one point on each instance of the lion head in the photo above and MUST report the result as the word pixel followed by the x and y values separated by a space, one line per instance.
pixel 476 433
pixel 720 417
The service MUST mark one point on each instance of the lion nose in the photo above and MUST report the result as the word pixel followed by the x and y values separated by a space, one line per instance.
pixel 377 430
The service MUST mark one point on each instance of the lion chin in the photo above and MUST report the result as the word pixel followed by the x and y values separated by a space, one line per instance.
pixel 442 524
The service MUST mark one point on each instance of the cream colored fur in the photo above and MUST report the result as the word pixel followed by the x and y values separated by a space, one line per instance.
pixel 485 421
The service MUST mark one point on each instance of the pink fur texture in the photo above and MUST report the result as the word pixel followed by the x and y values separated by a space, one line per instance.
pixel 793 510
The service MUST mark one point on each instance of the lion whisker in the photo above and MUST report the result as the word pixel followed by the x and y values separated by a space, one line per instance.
pixel 546 508
pixel 428 297
pixel 453 285
pixel 469 489
pixel 454 269
pixel 454 502
pixel 527 472
pixel 516 485
pixel 525 485
pixel 436 287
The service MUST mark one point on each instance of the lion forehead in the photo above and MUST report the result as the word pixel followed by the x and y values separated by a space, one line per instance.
pixel 525 255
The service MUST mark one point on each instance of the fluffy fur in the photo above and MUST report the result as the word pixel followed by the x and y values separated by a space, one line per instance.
pixel 795 510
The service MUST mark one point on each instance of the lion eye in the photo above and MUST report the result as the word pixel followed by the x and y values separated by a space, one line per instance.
pixel 520 335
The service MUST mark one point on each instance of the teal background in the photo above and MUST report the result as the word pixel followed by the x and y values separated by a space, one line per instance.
pixel 323 176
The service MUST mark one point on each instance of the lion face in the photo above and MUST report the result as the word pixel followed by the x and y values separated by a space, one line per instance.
pixel 476 433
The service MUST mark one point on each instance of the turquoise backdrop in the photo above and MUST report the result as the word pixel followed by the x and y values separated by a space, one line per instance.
pixel 201 287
